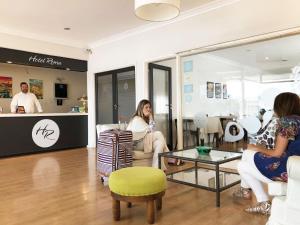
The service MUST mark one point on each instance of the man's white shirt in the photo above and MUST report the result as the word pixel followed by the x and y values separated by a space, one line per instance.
pixel 27 100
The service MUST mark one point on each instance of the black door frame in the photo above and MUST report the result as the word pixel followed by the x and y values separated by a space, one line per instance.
pixel 115 104
pixel 152 66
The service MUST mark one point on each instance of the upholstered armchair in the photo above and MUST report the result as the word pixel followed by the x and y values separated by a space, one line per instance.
pixel 137 153
pixel 286 202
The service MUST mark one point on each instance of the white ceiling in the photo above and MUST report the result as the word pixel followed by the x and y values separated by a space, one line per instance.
pixel 276 56
pixel 89 20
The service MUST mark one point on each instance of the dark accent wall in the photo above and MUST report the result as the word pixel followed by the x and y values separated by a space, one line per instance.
pixel 41 60
pixel 16 134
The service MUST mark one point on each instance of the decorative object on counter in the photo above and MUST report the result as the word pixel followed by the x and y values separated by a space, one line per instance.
pixel 84 100
pixel 20 109
pixel 210 89
pixel 36 87
pixel 5 87
pixel 75 109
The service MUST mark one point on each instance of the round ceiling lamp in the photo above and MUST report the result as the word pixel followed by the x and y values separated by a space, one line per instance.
pixel 157 10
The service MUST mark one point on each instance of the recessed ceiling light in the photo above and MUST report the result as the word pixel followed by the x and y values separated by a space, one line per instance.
pixel 67 28
pixel 267 58
pixel 10 62
pixel 284 60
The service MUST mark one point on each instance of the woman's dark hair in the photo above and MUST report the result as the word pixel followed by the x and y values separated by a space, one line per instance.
pixel 287 104
pixel 139 109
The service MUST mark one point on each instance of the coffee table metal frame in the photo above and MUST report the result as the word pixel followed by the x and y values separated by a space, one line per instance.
pixel 217 164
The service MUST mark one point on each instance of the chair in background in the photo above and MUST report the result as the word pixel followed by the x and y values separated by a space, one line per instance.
pixel 286 203
pixel 214 127
pixel 188 131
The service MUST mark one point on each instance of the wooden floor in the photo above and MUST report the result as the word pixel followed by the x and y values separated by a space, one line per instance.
pixel 61 188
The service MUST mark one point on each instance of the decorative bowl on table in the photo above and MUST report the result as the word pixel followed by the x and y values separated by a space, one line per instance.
pixel 203 150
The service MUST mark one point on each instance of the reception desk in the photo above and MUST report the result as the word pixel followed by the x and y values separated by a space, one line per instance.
pixel 32 133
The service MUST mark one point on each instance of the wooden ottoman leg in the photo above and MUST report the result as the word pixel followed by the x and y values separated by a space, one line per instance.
pixel 159 203
pixel 116 209
pixel 150 211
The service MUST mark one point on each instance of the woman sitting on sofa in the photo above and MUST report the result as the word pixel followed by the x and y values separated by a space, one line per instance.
pixel 144 136
pixel 261 165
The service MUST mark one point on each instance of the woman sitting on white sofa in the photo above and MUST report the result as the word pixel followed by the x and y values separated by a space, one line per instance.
pixel 142 127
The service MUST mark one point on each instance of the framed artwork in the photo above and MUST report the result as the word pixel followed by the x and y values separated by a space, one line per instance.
pixel 36 87
pixel 188 66
pixel 218 90
pixel 210 89
pixel 188 88
pixel 225 94
pixel 5 87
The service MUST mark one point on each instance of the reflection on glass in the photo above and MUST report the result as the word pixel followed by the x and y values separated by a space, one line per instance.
pixel 126 95
pixel 213 156
pixel 206 177
pixel 161 101
pixel 46 174
pixel 105 98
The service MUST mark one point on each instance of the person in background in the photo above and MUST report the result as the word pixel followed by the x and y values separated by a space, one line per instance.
pixel 260 165
pixel 24 101
pixel 142 127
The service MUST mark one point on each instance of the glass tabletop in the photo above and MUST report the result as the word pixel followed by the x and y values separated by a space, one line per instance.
pixel 213 156
pixel 205 178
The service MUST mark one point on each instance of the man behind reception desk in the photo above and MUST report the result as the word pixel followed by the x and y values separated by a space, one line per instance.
pixel 24 101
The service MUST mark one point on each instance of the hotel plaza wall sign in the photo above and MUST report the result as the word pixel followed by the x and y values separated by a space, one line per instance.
pixel 45 133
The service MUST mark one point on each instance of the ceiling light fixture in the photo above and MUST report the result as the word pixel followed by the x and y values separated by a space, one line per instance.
pixel 267 58
pixel 157 10
pixel 9 62
pixel 67 28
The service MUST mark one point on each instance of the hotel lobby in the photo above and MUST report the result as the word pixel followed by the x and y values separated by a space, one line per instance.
pixel 89 63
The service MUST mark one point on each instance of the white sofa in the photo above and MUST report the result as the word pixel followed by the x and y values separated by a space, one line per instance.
pixel 137 154
pixel 286 203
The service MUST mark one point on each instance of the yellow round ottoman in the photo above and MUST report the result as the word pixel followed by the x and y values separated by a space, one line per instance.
pixel 137 184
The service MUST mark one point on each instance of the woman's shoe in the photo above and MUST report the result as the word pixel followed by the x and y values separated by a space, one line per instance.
pixel 261 207
pixel 243 193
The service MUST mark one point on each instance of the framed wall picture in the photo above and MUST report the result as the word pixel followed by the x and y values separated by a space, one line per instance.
pixel 225 94
pixel 5 87
pixel 210 89
pixel 218 90
pixel 36 87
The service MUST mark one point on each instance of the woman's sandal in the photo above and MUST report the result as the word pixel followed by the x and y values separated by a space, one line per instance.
pixel 261 207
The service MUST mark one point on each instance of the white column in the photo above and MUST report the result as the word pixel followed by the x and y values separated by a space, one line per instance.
pixel 179 103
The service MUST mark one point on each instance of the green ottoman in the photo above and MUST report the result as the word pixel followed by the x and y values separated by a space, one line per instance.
pixel 137 184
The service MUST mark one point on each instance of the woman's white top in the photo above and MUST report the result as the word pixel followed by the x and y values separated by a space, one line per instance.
pixel 140 131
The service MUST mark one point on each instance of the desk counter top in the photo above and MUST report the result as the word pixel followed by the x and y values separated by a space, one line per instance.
pixel 40 114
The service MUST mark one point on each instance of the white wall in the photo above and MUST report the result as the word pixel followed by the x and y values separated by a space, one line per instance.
pixel 235 21
pixel 76 85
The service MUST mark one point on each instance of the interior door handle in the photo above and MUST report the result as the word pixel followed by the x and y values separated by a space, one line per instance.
pixel 116 106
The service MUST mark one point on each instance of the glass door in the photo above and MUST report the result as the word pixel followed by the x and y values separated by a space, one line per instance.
pixel 125 95
pixel 160 95
pixel 115 96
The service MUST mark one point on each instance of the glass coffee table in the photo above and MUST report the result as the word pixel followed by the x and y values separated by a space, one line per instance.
pixel 215 171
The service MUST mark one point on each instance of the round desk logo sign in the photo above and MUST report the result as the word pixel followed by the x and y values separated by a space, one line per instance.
pixel 45 133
